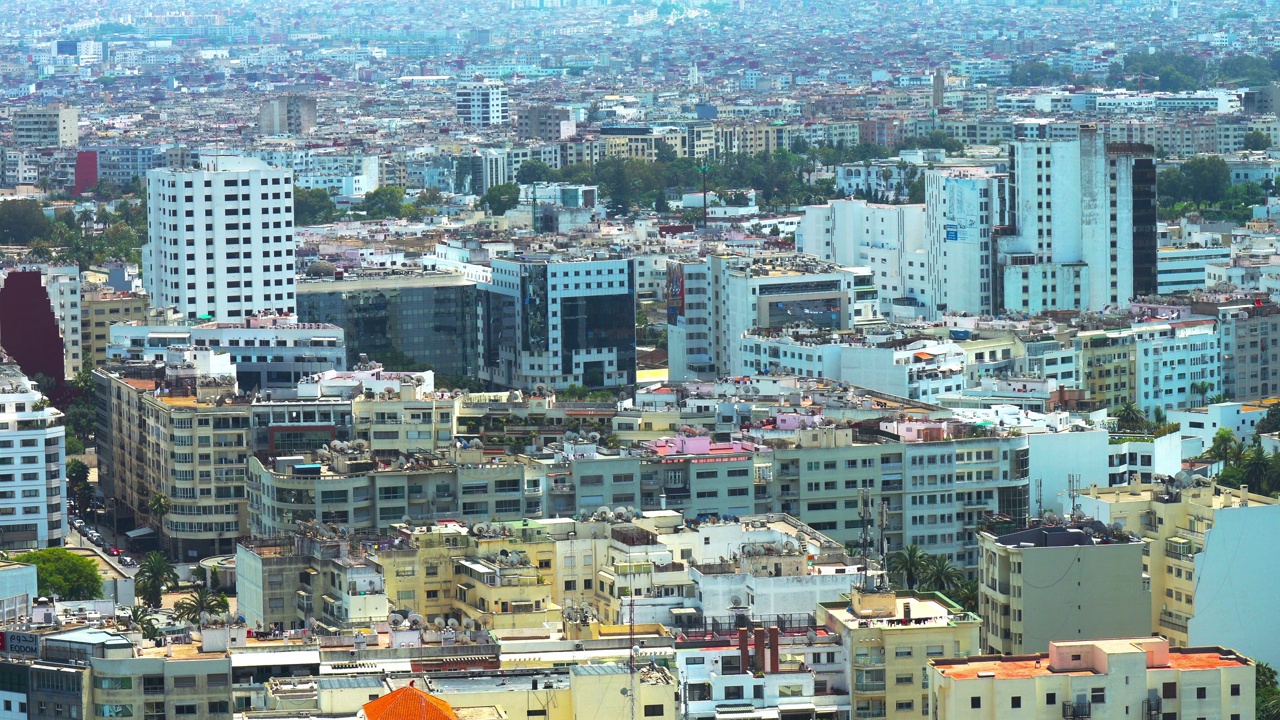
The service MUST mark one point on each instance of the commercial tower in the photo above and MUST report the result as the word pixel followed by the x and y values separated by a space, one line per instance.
pixel 220 238
pixel 1082 224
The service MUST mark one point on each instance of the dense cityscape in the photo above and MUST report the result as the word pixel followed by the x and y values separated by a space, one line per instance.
pixel 583 359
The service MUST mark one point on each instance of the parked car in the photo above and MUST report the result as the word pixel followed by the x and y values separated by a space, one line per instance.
pixel 127 561
pixel 114 551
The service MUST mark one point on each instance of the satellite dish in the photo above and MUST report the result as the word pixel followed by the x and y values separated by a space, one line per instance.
pixel 468 623
pixel 811 636
pixel 594 437
pixel 439 622
pixel 735 601
pixel 454 623
pixel 395 619
pixel 415 620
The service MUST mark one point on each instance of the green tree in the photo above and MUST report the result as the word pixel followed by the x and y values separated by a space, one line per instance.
pixel 1208 178
pixel 966 595
pixel 1171 187
pixel 429 197
pixel 63 573
pixel 660 203
pixel 940 575
pixel 1129 416
pixel 159 505
pixel 915 191
pixel 155 575
pixel 1037 73
pixel 78 483
pixel 1256 140
pixel 141 618
pixel 1256 465
pixel 22 222
pixel 385 202
pixel 501 198
pixel 313 206
pixel 532 171
pixel 1270 422
pixel 1222 449
pixel 910 564
pixel 203 600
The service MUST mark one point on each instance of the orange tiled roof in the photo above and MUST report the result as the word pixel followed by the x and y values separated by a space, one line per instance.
pixel 409 703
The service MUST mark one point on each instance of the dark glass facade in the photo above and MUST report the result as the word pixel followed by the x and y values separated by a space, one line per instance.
pixel 403 322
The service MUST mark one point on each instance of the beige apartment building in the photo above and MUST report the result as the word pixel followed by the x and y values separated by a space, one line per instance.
pixel 891 637
pixel 1200 539
pixel 1142 677
pixel 44 127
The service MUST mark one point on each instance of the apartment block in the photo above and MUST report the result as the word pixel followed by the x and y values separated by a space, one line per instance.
pixel 32 464
pixel 891 637
pixel 1088 678
pixel 482 103
pixel 547 123
pixel 1082 231
pixel 47 127
pixel 1050 583
pixel 100 308
pixel 288 115
pixel 1199 536
pixel 220 239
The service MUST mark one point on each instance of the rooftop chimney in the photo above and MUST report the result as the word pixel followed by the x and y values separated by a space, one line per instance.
pixel 761 650
pixel 775 648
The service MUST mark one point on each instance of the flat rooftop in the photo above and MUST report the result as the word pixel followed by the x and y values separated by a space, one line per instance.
pixel 1006 667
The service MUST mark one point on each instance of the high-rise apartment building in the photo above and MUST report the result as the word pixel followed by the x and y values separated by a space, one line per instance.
pixel 51 126
pixel 482 103
pixel 288 115
pixel 558 323
pixel 545 122
pixel 964 208
pixel 1082 225
pixel 1053 583
pixel 32 464
pixel 220 238
pixel 100 308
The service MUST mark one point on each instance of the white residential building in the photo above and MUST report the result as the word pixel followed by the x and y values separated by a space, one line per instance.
pixel 888 239
pixel 221 238
pixel 1083 225
pixel 1182 269
pixel 32 465
pixel 963 208
pixel 713 302
pixel 1172 358
pixel 482 103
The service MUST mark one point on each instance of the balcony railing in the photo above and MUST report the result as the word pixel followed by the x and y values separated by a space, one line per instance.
pixel 869 686
pixel 562 489
pixel 1072 710
pixel 872 713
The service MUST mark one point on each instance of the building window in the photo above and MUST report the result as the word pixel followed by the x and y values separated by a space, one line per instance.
pixel 1098 696
pixel 1015 702
pixel 653 711
pixel 975 702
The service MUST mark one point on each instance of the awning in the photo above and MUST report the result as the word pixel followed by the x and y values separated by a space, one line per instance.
pixel 140 533
pixel 924 355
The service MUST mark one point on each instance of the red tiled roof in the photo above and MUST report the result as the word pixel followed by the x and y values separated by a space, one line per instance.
pixel 409 703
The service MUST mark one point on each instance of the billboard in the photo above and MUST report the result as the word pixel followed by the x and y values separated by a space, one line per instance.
pixel 20 643
pixel 675 295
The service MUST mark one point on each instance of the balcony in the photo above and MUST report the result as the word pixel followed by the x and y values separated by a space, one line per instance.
pixel 1173 622
pixel 869 687
pixel 868 661
pixel 650 482
pixel 562 489
pixel 872 713
pixel 1072 710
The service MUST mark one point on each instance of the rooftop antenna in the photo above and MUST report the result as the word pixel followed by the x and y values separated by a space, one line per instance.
pixel 864 513
pixel 1039 497
pixel 1073 492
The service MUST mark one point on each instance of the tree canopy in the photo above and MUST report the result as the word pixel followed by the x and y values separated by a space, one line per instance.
pixel 501 198
pixel 63 573
pixel 22 222
pixel 313 206
pixel 387 201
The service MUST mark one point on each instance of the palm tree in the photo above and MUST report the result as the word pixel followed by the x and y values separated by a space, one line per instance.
pixel 159 505
pixel 202 601
pixel 155 573
pixel 940 575
pixel 140 619
pixel 1202 388
pixel 909 563
pixel 1256 464
pixel 966 595
pixel 1129 415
